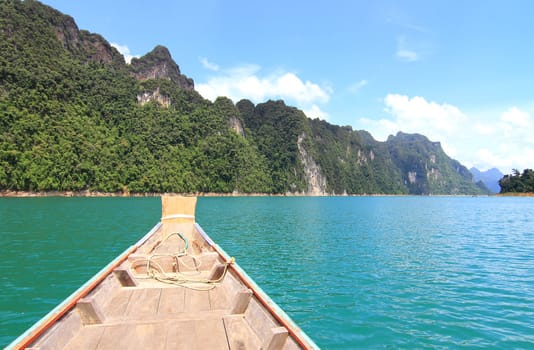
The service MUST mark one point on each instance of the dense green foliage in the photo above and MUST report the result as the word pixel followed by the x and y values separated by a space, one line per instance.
pixel 518 182
pixel 74 116
pixel 427 169
pixel 71 124
pixel 354 162
pixel 276 128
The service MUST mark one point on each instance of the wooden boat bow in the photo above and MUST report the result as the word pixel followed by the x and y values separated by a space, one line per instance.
pixel 174 289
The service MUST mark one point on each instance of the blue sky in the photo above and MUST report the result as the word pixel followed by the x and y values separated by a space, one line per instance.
pixel 459 72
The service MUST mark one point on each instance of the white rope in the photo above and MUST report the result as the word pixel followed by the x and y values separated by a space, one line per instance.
pixel 156 271
pixel 178 216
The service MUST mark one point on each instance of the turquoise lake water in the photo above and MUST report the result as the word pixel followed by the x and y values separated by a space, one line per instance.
pixel 353 272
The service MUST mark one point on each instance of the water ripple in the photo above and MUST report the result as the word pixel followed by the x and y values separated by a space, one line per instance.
pixel 411 272
pixel 362 272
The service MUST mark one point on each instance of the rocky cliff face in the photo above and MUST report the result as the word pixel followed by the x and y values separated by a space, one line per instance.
pixel 425 167
pixel 237 126
pixel 83 44
pixel 97 49
pixel 155 96
pixel 321 158
pixel 67 32
pixel 314 178
pixel 279 149
pixel 158 64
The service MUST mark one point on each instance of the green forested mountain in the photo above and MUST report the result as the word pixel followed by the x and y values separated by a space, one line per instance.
pixel 74 116
pixel 518 182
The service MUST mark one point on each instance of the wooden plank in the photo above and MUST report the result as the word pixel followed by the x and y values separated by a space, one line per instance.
pixel 291 344
pixel 189 263
pixel 165 263
pixel 231 283
pixel 196 334
pixel 115 309
pixel 143 303
pixel 148 336
pixel 181 335
pixel 219 299
pixel 172 301
pixel 208 259
pixel 239 334
pixel 196 300
pixel 88 338
pixel 259 319
pixel 89 312
pixel 216 272
pixel 102 292
pixel 276 340
pixel 241 301
pixel 61 332
pixel 173 205
pixel 125 277
pixel 211 334
pixel 114 337
pixel 133 336
pixel 178 317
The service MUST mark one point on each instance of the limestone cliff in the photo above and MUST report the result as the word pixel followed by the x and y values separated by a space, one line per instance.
pixel 237 126
pixel 74 122
pixel 83 44
pixel 158 64
pixel 425 167
pixel 156 96
pixel 97 49
pixel 315 180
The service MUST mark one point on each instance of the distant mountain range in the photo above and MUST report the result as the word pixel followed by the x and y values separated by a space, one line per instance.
pixel 490 178
pixel 76 117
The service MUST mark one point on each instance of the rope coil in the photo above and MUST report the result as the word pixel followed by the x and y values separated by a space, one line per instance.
pixel 157 272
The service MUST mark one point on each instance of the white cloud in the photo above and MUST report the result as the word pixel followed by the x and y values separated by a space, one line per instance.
pixel 247 81
pixel 357 86
pixel 294 88
pixel 209 65
pixel 515 117
pixel 406 53
pixel 484 128
pixel 418 114
pixel 496 139
pixel 506 158
pixel 125 51
pixel 315 112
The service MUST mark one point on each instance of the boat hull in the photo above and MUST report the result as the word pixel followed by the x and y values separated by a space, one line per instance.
pixel 175 288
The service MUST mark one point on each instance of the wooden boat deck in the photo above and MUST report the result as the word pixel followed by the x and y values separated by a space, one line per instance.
pixel 159 318
pixel 127 308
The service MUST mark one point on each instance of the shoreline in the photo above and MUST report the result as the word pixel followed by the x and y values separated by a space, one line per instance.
pixel 33 194
pixel 30 194
pixel 515 194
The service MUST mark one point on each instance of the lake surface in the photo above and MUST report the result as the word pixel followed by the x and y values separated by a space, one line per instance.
pixel 353 272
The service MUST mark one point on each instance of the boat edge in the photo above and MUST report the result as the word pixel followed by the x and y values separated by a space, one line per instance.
pixel 278 313
pixel 39 327
pixel 32 333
